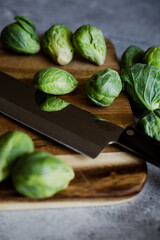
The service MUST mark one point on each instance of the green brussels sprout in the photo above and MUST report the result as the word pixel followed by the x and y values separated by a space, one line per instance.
pixel 49 103
pixel 20 36
pixel 90 43
pixel 142 84
pixel 13 145
pixel 41 175
pixel 132 55
pixel 149 123
pixel 152 57
pixel 55 81
pixel 103 87
pixel 57 44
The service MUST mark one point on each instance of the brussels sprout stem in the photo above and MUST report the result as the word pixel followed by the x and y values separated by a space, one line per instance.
pixel 99 61
pixel 64 58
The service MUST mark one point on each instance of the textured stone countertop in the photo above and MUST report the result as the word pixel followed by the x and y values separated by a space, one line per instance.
pixel 124 22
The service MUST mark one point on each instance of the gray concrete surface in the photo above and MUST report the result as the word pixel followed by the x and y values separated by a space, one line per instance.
pixel 124 22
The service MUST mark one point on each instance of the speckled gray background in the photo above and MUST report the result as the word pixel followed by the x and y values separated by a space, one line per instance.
pixel 124 22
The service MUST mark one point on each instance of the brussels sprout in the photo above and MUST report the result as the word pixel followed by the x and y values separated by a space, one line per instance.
pixel 132 55
pixel 13 144
pixel 20 36
pixel 55 81
pixel 103 87
pixel 41 175
pixel 149 123
pixel 152 57
pixel 49 103
pixel 90 43
pixel 56 43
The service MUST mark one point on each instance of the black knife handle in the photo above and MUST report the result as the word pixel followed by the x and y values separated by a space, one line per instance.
pixel 143 145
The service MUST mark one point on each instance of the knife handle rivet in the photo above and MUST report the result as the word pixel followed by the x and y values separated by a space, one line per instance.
pixel 130 132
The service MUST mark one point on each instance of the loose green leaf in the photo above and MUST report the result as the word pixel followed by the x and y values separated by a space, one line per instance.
pixel 132 55
pixel 142 84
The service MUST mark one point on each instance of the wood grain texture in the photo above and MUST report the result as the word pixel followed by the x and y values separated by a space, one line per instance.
pixel 112 177
pixel 108 179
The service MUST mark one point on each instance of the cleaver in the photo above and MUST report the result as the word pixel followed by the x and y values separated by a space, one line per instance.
pixel 73 127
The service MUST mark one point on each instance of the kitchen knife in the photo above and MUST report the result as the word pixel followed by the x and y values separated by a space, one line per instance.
pixel 72 126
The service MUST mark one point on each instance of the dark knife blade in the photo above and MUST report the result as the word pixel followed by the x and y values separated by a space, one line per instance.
pixel 73 127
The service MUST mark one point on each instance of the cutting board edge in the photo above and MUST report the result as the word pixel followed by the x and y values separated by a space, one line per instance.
pixel 65 204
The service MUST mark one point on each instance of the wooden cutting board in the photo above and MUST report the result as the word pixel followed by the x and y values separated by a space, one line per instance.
pixel 114 176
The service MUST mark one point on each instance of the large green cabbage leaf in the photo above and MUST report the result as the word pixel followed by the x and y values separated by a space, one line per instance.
pixel 142 84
